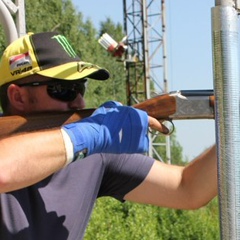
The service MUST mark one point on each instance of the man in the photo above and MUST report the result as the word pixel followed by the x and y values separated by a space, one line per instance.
pixel 59 207
pixel 28 167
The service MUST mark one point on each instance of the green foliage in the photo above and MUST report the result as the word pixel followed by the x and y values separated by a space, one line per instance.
pixel 2 40
pixel 37 11
pixel 113 220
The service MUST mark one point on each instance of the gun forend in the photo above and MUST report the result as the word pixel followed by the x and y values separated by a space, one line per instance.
pixel 184 104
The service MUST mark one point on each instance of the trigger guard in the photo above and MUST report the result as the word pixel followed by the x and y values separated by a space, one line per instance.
pixel 166 134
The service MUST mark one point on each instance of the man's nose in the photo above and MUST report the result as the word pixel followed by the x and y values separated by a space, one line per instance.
pixel 77 103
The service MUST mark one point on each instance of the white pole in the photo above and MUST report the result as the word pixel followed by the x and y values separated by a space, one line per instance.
pixel 8 24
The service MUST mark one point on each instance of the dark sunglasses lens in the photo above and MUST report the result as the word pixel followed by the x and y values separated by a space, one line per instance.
pixel 65 92
pixel 66 96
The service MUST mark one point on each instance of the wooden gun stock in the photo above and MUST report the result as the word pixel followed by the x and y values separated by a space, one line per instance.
pixel 190 104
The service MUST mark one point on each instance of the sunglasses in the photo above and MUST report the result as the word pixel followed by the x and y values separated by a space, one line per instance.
pixel 62 90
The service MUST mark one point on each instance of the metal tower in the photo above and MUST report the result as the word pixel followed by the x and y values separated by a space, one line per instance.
pixel 146 59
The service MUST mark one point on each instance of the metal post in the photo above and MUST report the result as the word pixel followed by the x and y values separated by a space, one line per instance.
pixel 12 30
pixel 20 18
pixel 165 73
pixel 8 24
pixel 226 87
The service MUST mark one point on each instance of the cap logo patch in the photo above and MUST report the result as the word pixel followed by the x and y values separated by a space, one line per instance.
pixel 21 60
pixel 20 63
pixel 65 45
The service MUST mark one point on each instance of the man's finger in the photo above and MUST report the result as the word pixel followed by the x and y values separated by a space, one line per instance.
pixel 156 125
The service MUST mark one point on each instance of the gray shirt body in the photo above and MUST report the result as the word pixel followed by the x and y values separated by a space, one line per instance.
pixel 59 207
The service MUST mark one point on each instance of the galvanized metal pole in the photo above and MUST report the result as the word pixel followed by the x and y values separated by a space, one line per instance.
pixel 226 87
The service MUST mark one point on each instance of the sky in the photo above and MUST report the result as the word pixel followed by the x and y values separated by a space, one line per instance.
pixel 189 54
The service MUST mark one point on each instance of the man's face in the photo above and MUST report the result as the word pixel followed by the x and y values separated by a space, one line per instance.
pixel 46 95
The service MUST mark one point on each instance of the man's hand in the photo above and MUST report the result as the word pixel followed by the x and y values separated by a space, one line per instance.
pixel 112 128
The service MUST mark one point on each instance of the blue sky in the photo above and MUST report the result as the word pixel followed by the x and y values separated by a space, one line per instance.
pixel 189 57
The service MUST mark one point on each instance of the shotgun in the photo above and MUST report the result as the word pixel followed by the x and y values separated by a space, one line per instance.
pixel 185 104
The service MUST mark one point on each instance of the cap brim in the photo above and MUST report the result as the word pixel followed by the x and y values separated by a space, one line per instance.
pixel 76 70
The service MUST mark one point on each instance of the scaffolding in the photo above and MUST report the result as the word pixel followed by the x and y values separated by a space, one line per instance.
pixel 146 57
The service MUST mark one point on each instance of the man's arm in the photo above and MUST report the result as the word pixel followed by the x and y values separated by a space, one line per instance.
pixel 28 158
pixel 178 187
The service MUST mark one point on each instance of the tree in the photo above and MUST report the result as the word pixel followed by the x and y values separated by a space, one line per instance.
pixel 112 220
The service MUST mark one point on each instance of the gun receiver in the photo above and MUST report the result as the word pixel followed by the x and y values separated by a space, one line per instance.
pixel 186 104
pixel 194 104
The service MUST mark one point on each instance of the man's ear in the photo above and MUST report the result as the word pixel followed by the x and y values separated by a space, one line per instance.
pixel 16 96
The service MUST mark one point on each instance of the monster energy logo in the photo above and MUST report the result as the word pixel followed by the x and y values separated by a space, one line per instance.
pixel 66 45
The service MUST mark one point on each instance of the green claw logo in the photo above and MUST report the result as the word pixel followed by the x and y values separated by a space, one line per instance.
pixel 66 45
